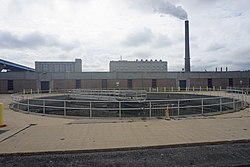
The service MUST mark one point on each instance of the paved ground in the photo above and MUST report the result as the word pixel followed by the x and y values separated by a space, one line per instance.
pixel 36 135
pixel 32 133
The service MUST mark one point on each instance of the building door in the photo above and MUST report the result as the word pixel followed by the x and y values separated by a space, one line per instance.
pixel 183 84
pixel 130 83
pixel 231 82
pixel 78 84
pixel 10 86
pixel 210 83
pixel 104 84
pixel 45 86
pixel 154 83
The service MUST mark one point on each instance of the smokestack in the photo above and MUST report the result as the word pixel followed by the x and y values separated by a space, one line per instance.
pixel 187 52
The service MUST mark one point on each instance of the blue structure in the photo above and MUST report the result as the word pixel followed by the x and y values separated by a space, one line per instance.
pixel 10 66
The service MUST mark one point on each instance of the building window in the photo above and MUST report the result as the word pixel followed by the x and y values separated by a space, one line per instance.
pixel 130 83
pixel 209 83
pixel 154 83
pixel 231 82
pixel 78 84
pixel 10 85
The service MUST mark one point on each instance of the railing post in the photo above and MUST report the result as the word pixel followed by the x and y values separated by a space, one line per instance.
pixel 18 103
pixel 120 110
pixel 234 107
pixel 43 106
pixel 150 109
pixel 28 101
pixel 167 113
pixel 202 107
pixel 178 108
pixel 220 104
pixel 245 100
pixel 64 104
pixel 241 100
pixel 90 109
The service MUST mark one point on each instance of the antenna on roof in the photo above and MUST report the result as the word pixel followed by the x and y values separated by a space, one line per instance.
pixel 120 57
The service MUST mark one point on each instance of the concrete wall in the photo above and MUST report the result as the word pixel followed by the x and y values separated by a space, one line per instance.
pixel 166 82
pixel 64 84
pixel 1 67
pixel 18 85
pixel 3 86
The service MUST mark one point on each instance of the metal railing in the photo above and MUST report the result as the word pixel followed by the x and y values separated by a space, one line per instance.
pixel 245 90
pixel 62 103
pixel 109 94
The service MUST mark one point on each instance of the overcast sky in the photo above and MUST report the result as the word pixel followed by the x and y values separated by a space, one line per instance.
pixel 99 31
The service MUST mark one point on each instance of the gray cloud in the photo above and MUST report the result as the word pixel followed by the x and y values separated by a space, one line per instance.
pixel 138 38
pixel 32 41
pixel 142 54
pixel 146 36
pixel 245 52
pixel 162 41
pixel 215 47
pixel 234 59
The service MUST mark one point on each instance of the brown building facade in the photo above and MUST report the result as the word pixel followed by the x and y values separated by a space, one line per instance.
pixel 11 82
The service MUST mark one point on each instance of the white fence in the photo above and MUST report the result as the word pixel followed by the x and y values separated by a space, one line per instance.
pixel 126 103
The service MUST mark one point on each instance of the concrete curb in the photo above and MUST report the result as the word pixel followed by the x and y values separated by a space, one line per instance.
pixel 126 148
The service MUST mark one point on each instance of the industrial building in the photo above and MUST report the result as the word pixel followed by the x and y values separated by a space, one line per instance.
pixel 44 66
pixel 122 75
pixel 138 66
pixel 16 81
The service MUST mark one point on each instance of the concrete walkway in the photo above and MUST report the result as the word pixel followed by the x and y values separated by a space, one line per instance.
pixel 33 133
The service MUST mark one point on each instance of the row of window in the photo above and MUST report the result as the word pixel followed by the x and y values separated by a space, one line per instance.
pixel 10 83
pixel 124 68
pixel 56 67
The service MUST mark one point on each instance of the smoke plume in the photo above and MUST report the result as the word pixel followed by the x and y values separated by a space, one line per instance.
pixel 162 7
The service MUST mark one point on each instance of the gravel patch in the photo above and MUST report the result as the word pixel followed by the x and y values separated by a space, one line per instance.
pixel 236 154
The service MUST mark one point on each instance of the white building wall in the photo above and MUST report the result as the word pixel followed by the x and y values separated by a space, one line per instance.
pixel 138 66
